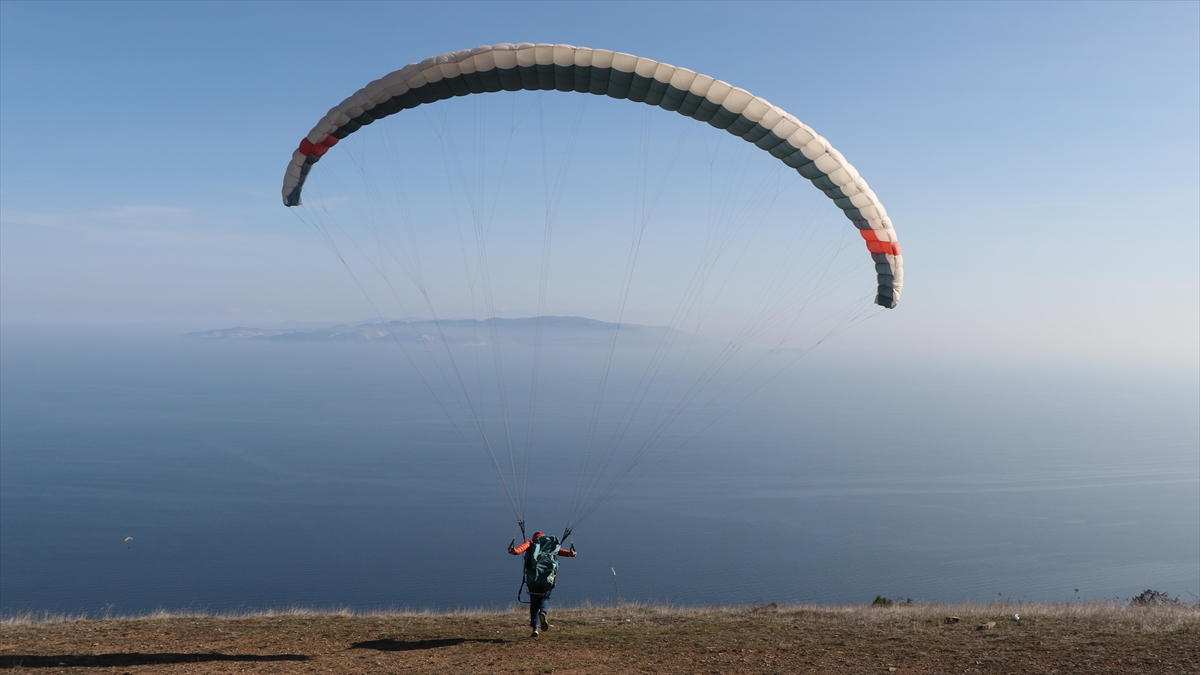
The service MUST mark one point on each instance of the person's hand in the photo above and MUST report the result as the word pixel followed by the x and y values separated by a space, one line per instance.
pixel 512 550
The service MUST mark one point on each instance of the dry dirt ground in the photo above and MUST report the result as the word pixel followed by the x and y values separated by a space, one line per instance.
pixel 1084 638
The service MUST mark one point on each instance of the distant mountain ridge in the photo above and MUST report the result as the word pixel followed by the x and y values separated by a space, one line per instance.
pixel 556 330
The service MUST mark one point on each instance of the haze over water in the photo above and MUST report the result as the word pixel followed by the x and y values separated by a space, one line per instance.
pixel 255 475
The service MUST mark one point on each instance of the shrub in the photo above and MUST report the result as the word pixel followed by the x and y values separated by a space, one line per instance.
pixel 1152 597
pixel 881 601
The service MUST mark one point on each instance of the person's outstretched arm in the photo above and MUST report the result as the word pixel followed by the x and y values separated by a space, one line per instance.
pixel 566 552
pixel 518 550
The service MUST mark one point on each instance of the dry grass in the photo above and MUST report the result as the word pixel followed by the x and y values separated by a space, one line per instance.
pixel 1164 617
pixel 1048 638
pixel 26 618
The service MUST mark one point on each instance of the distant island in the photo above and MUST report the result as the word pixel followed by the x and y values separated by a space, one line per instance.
pixel 556 330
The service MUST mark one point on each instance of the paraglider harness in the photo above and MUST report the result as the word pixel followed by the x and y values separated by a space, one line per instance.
pixel 541 565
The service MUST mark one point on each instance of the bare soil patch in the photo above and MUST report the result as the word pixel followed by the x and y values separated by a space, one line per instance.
pixel 905 639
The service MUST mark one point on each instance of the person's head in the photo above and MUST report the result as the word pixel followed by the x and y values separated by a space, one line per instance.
pixel 536 535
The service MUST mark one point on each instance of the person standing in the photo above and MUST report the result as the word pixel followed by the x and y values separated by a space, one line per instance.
pixel 541 572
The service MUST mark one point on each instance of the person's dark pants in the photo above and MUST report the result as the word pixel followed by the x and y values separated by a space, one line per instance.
pixel 539 603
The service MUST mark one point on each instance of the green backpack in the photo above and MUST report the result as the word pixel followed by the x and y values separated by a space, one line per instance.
pixel 541 563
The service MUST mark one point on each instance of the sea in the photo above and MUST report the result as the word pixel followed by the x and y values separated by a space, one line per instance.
pixel 268 474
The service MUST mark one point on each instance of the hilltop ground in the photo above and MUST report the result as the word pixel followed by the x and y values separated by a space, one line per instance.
pixel 1087 638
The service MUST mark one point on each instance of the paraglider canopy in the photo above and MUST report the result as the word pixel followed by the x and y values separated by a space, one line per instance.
pixel 526 66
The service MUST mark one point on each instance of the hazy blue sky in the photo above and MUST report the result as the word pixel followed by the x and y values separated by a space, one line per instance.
pixel 1041 162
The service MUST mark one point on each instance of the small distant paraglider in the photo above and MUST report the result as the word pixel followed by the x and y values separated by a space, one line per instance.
pixel 127 540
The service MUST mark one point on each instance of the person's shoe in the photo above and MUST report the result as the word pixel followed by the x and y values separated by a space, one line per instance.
pixel 542 621
pixel 535 633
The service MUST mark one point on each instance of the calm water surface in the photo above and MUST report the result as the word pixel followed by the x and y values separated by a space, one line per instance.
pixel 269 475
